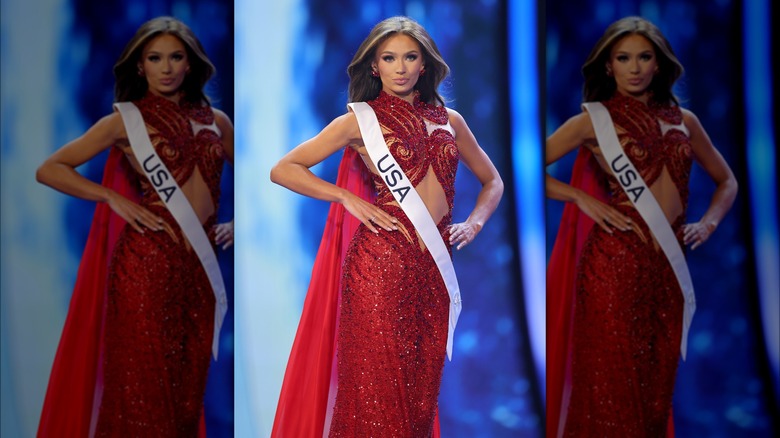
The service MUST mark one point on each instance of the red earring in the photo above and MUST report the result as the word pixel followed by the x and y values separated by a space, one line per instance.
pixel 374 73
pixel 422 71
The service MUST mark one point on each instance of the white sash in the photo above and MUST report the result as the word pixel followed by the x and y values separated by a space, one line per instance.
pixel 169 191
pixel 411 203
pixel 640 195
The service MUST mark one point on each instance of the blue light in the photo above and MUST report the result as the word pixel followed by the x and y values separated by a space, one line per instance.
pixel 528 165
pixel 762 175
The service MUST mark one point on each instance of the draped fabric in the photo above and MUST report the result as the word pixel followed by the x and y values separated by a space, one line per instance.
pixel 613 374
pixel 304 401
pixel 309 388
pixel 75 382
pixel 134 353
pixel 561 270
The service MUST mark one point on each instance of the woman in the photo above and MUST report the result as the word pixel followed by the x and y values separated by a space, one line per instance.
pixel 386 319
pixel 134 354
pixel 617 315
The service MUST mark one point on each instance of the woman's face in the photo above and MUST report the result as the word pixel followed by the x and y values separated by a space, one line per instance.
pixel 633 64
pixel 164 64
pixel 398 62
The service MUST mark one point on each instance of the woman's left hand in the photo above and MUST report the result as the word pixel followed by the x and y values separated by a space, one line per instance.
pixel 697 233
pixel 463 233
pixel 224 234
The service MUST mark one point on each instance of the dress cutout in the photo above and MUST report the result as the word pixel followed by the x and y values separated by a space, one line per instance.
pixel 395 307
pixel 154 350
pixel 626 321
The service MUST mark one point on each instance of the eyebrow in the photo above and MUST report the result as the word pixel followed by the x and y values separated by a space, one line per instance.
pixel 388 52
pixel 155 52
pixel 625 52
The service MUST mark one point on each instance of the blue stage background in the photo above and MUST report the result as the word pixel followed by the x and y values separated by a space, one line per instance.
pixel 724 389
pixel 290 89
pixel 57 60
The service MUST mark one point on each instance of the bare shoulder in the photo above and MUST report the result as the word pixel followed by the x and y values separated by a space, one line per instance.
pixel 222 120
pixel 458 123
pixel 346 127
pixel 220 117
pixel 573 133
pixel 110 128
pixel 455 118
pixel 577 128
pixel 690 119
pixel 582 124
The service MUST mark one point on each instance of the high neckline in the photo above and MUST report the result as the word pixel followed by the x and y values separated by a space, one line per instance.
pixel 434 113
pixel 393 99
pixel 200 113
pixel 667 112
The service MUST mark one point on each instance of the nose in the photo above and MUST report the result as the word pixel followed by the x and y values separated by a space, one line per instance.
pixel 166 66
pixel 401 68
pixel 634 66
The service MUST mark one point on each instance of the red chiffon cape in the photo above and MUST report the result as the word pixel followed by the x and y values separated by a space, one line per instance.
pixel 561 275
pixel 75 385
pixel 72 397
pixel 309 388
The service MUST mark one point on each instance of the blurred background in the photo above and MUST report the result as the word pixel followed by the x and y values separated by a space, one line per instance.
pixel 515 78
pixel 728 385
pixel 57 60
pixel 291 81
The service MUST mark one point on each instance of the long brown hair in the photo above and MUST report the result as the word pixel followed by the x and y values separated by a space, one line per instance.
pixel 130 86
pixel 599 86
pixel 362 86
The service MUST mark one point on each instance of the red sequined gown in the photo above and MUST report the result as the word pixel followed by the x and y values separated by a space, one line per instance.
pixel 627 319
pixel 394 307
pixel 160 305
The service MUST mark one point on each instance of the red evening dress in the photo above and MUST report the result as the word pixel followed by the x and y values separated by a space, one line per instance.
pixel 615 306
pixel 389 311
pixel 146 370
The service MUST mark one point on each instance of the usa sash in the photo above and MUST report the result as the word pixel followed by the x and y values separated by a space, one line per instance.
pixel 171 194
pixel 412 205
pixel 640 195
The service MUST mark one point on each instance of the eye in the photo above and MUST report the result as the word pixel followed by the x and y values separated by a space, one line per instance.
pixel 412 57
pixel 177 56
pixel 646 56
pixel 388 58
pixel 153 58
pixel 622 58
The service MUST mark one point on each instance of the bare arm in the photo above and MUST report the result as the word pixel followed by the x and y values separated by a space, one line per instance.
pixel 712 161
pixel 224 232
pixel 59 172
pixel 568 137
pixel 226 128
pixel 480 165
pixel 292 172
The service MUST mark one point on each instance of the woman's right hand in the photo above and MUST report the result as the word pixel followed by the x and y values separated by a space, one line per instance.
pixel 604 215
pixel 369 214
pixel 135 215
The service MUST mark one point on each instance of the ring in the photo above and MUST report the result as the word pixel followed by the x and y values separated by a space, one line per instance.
pixel 372 218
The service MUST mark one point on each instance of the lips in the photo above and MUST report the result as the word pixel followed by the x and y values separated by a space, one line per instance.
pixel 167 81
pixel 635 81
pixel 400 81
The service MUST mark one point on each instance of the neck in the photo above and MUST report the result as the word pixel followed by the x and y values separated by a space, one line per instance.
pixel 643 97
